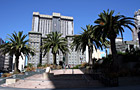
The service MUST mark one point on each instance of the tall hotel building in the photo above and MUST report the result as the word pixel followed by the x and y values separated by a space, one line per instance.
pixel 45 24
pixel 136 31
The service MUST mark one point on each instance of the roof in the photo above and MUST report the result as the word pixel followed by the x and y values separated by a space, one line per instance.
pixel 53 15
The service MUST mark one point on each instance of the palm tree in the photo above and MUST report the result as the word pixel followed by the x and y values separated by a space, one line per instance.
pixel 55 42
pixel 17 45
pixel 86 39
pixel 109 26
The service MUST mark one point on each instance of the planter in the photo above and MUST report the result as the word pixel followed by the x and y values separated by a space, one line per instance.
pixel 11 81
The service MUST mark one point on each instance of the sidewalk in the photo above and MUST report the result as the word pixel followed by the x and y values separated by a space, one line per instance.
pixel 137 87
pixel 68 79
pixel 64 78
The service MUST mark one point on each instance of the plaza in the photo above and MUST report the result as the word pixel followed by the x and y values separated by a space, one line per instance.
pixel 63 79
pixel 69 45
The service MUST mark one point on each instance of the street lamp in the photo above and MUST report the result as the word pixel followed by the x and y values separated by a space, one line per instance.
pixel 81 58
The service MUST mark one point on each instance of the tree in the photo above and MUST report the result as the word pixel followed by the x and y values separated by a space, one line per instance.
pixel 17 45
pixel 109 26
pixel 56 43
pixel 86 39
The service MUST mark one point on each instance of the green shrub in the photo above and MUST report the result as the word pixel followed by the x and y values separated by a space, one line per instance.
pixel 53 66
pixel 25 66
pixel 6 75
pixel 59 67
pixel 30 69
pixel 39 65
pixel 84 64
pixel 77 66
pixel 46 65
pixel 30 65
pixel 16 72
pixel 121 53
pixel 107 61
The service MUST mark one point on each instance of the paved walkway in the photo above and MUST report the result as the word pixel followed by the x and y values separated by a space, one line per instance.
pixel 67 79
pixel 137 87
pixel 64 78
pixel 67 71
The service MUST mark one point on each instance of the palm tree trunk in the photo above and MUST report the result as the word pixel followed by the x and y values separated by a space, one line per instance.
pixel 106 51
pixel 16 64
pixel 114 55
pixel 90 55
pixel 54 58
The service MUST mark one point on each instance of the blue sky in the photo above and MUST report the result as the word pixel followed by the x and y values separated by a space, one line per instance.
pixel 16 15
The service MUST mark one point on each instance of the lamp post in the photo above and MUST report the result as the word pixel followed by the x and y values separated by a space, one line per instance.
pixel 81 58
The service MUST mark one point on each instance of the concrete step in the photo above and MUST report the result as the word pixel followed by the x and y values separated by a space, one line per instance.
pixel 59 83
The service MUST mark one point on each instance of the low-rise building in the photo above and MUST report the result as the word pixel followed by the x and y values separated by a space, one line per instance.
pixel 5 60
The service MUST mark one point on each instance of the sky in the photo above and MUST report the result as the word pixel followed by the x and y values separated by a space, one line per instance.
pixel 16 15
